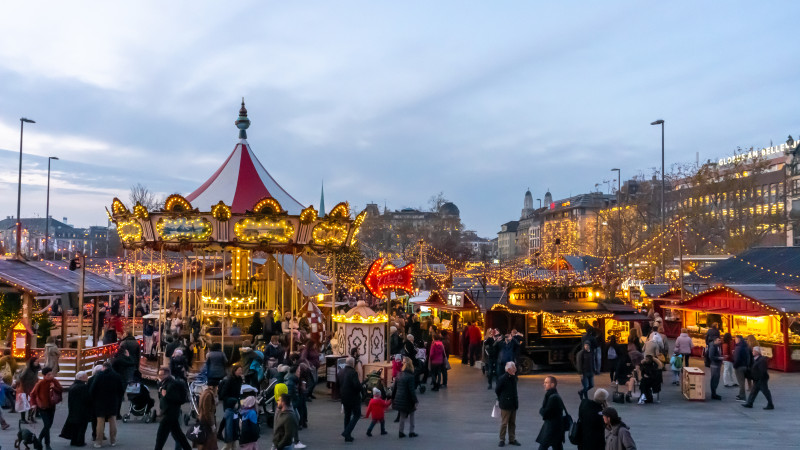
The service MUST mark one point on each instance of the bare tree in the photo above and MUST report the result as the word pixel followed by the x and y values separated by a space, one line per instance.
pixel 141 194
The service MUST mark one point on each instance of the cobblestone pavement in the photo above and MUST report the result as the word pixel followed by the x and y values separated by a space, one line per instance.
pixel 460 416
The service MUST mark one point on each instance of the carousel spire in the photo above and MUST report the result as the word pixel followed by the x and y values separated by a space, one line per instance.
pixel 243 123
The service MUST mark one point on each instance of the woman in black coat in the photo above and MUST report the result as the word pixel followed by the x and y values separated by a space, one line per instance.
pixel 405 396
pixel 591 428
pixel 79 414
pixel 231 386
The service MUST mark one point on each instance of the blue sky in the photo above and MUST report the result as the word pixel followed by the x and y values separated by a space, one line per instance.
pixel 386 101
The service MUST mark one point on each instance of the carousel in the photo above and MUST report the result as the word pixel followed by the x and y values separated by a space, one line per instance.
pixel 239 236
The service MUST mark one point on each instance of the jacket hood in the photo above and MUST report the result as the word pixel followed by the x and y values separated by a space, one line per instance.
pixel 684 335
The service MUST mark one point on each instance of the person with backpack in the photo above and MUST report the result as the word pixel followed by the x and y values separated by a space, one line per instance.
pixel 46 394
pixel 436 361
pixel 250 432
pixel 611 356
pixel 173 393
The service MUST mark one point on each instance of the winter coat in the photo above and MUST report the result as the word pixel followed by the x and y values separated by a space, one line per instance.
pixel 106 391
pixel 552 409
pixel 51 355
pixel 490 350
pixel 215 364
pixel 249 427
pixel 40 395
pixel 591 428
pixel 77 400
pixel 377 408
pixel 284 429
pixel 171 347
pixel 653 348
pixel 506 391
pixel 230 387
pixel 178 366
pixel 759 372
pixel 506 350
pixel 741 355
pixel 177 393
pixel 404 393
pixel 349 386
pixel 130 344
pixel 619 438
pixel 124 366
pixel 715 354
pixel 437 354
pixel 584 362
pixel 395 343
pixel 683 344
pixel 28 379
pixel 712 334
pixel 410 350
pixel 274 351
pixel 474 334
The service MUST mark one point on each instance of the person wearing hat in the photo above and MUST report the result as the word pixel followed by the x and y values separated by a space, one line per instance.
pixel 617 434
pixel 591 428
pixel 250 432
pixel 760 376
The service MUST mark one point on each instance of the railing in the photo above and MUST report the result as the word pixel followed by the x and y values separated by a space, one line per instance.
pixel 90 357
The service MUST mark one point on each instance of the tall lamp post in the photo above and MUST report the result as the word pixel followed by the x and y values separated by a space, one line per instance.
pixel 22 122
pixel 663 263
pixel 619 212
pixel 47 211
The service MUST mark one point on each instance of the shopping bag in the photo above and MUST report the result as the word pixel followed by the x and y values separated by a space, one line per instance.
pixel 496 410
pixel 22 403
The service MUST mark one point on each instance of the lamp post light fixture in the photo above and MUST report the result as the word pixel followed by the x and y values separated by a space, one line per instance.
pixel 22 122
pixel 663 189
pixel 47 210
pixel 540 203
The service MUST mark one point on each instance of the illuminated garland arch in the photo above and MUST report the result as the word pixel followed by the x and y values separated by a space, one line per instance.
pixel 340 211
pixel 308 215
pixel 221 212
pixel 268 205
pixel 140 211
pixel 119 208
pixel 177 203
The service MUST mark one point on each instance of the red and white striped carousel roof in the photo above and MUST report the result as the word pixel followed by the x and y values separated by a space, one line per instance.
pixel 241 182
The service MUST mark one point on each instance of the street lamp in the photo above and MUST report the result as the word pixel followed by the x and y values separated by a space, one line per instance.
pixel 663 264
pixel 47 211
pixel 22 122
pixel 540 203
pixel 619 209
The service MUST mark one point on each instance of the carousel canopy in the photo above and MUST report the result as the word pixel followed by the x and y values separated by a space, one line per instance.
pixel 242 180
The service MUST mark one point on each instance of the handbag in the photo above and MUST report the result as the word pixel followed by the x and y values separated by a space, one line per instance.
pixel 22 403
pixel 447 364
pixel 496 410
pixel 197 434
pixel 567 424
pixel 55 397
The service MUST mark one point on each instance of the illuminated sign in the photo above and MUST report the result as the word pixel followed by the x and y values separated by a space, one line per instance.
pixel 249 230
pixel 184 228
pixel 753 154
pixel 380 278
pixel 455 299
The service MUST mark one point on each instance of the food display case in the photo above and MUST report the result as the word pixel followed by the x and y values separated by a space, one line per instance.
pixel 555 325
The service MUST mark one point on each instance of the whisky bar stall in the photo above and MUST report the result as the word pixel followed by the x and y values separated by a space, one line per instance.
pixel 767 312
pixel 239 217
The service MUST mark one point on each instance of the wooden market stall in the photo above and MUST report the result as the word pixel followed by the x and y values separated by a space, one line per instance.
pixel 763 310
pixel 453 308
pixel 619 323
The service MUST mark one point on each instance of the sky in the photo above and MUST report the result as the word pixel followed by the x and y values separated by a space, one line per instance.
pixel 385 102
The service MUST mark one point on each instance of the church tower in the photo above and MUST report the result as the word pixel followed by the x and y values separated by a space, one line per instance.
pixel 527 208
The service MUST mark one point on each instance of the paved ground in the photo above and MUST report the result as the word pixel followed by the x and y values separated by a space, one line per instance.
pixel 460 416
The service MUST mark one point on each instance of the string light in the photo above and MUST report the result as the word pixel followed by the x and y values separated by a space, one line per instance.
pixel 342 211
pixel 177 203
pixel 268 205
pixel 327 233
pixel 356 318
pixel 221 212
pixel 140 212
pixel 118 207
pixel 308 215
pixel 251 230
pixel 129 230
pixel 183 228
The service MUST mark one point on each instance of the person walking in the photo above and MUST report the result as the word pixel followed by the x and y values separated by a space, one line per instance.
pixel 78 415
pixel 285 427
pixel 46 394
pixel 728 376
pixel 173 394
pixel 715 358
pixel 350 392
pixel 377 409
pixel 617 433
pixel 551 435
pixel 207 405
pixel 683 346
pixel 106 391
pixel 404 399
pixel 508 401
pixel 215 364
pixel 490 356
pixel 611 357
pixel 27 380
pixel 585 361
pixel 591 428
pixel 760 375
pixel 178 364
pixel 475 341
pixel 436 361
pixel 51 354
pixel 741 363
pixel 231 386
pixel 130 344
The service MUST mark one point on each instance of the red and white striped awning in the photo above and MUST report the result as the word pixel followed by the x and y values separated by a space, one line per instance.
pixel 241 182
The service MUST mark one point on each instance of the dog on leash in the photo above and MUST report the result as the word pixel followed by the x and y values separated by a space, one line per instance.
pixel 27 438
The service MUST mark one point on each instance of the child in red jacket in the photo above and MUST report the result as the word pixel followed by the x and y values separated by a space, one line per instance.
pixel 397 366
pixel 377 407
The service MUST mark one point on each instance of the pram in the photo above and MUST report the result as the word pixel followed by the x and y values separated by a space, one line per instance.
pixel 420 366
pixel 266 401
pixel 196 388
pixel 374 380
pixel 141 404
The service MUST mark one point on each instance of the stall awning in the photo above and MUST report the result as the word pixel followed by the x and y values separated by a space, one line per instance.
pixel 720 310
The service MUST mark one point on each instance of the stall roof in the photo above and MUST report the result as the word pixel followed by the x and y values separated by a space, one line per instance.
pixel 41 279
pixel 780 265
pixel 556 306
pixel 744 300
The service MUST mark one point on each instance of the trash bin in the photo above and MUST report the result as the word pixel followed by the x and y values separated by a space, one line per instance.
pixel 693 383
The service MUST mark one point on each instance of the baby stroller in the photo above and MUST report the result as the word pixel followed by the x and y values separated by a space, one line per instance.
pixel 141 404
pixel 196 387
pixel 420 365
pixel 266 401
pixel 373 380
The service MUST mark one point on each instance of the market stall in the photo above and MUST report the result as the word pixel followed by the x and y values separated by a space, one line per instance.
pixel 620 322
pixel 451 309
pixel 767 312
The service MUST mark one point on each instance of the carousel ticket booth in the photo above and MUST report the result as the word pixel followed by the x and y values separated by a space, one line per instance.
pixel 361 330
pixel 767 312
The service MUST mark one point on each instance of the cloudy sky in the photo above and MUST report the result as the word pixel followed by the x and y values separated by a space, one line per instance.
pixel 387 102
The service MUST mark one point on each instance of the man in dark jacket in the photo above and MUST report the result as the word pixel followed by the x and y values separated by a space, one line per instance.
pixel 741 362
pixel 506 350
pixel 508 401
pixel 584 361
pixel 285 427
pixel 715 357
pixel 760 376
pixel 173 344
pixel 130 344
pixel 350 392
pixel 490 354
pixel 552 432
pixel 173 394
pixel 106 391
pixel 395 342
pixel 79 414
